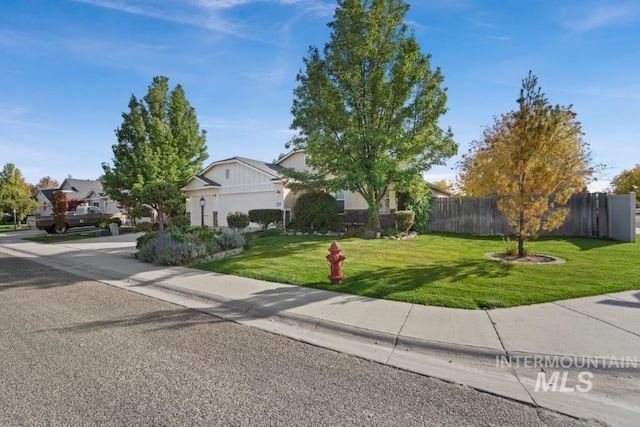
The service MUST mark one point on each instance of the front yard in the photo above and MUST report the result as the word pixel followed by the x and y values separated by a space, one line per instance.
pixel 442 269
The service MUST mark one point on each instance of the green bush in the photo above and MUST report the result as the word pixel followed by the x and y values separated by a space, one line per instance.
pixel 143 227
pixel 145 238
pixel 231 239
pixel 391 232
pixel 404 220
pixel 265 217
pixel 237 220
pixel 106 222
pixel 316 211
pixel 180 221
pixel 140 211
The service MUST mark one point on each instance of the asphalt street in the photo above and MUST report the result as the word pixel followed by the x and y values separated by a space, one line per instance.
pixel 79 352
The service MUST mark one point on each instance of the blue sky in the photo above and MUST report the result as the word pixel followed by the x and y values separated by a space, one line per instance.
pixel 68 69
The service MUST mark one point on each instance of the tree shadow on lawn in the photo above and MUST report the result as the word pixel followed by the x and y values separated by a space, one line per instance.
pixel 583 243
pixel 433 279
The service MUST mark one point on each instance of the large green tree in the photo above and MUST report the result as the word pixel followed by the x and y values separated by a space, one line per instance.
pixel 627 181
pixel 533 159
pixel 159 141
pixel 366 111
pixel 15 194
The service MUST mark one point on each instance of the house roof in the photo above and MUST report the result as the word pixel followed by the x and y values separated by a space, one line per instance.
pixel 439 189
pixel 75 188
pixel 207 181
pixel 80 188
pixel 270 169
pixel 289 154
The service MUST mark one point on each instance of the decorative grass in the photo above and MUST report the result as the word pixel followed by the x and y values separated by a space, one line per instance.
pixel 442 269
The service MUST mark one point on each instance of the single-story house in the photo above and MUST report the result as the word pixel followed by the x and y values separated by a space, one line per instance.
pixel 86 191
pixel 241 184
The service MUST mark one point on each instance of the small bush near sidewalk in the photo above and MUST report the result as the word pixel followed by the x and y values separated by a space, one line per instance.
pixel 442 269
pixel 177 247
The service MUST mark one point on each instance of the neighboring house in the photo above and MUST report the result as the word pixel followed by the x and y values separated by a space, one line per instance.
pixel 438 191
pixel 86 191
pixel 241 184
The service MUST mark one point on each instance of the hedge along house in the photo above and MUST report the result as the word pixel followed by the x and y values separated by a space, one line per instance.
pixel 241 184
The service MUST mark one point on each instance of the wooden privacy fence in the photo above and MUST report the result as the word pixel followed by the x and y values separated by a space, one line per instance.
pixel 588 216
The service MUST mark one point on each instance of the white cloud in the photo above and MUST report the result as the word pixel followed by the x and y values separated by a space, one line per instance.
pixel 14 115
pixel 208 14
pixel 602 15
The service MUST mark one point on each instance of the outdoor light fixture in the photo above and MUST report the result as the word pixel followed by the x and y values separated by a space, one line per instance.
pixel 202 211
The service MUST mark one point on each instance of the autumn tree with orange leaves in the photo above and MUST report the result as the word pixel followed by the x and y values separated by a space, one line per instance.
pixel 533 159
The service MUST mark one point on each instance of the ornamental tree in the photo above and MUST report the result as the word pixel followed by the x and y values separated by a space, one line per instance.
pixel 159 141
pixel 15 194
pixel 627 181
pixel 59 207
pixel 47 182
pixel 366 110
pixel 163 197
pixel 533 159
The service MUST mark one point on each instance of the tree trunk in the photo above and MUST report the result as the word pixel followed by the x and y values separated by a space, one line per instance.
pixel 520 246
pixel 160 219
pixel 521 237
pixel 373 217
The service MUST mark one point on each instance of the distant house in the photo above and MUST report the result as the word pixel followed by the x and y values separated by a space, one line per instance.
pixel 86 191
pixel 438 191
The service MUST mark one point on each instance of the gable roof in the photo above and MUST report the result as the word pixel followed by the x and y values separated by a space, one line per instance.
pixel 289 154
pixel 269 169
pixel 80 188
pixel 439 189
pixel 207 181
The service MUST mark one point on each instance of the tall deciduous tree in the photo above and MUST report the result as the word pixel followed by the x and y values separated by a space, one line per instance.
pixel 533 159
pixel 367 110
pixel 159 141
pixel 15 194
pixel 627 181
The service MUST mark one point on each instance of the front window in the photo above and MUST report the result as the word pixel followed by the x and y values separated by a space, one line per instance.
pixel 339 196
pixel 384 204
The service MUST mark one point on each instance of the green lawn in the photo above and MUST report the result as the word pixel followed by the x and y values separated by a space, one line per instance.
pixel 9 227
pixel 443 269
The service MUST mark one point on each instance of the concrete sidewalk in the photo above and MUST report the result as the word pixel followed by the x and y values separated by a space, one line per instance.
pixel 580 357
